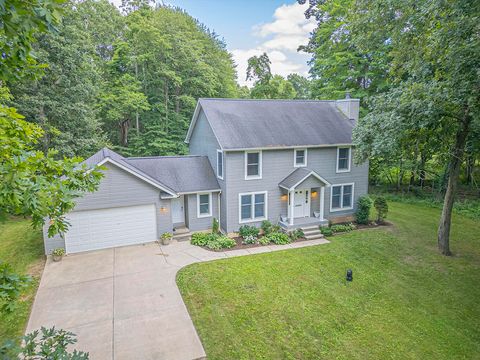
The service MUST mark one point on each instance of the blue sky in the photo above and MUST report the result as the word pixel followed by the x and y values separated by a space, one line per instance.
pixel 251 27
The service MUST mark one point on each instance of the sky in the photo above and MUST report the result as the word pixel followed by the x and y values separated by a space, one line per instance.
pixel 251 27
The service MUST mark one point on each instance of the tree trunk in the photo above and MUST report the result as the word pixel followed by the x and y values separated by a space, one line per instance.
pixel 453 173
pixel 165 93
pixel 423 175
pixel 124 126
pixel 469 164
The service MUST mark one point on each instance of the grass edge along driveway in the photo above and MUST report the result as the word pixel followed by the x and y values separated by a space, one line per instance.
pixel 406 300
pixel 21 247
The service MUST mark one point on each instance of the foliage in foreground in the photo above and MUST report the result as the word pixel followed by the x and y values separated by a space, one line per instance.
pixel 212 241
pixel 44 344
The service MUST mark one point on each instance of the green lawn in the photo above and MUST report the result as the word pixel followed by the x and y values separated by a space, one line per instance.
pixel 405 302
pixel 21 247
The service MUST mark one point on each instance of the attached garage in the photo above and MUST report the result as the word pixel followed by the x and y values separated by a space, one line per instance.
pixel 106 228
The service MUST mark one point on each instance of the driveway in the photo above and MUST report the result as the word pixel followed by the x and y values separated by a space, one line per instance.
pixel 123 303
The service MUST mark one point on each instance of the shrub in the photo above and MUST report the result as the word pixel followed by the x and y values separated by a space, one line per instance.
pixel 250 239
pixel 215 226
pixel 246 230
pixel 200 239
pixel 363 209
pixel 381 206
pixel 278 238
pixel 44 344
pixel 342 227
pixel 326 231
pixel 266 227
pixel 264 240
pixel 220 242
pixel 296 234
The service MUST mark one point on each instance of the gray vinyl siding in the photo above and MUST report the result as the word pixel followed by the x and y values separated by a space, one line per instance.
pixel 119 188
pixel 277 164
pixel 203 223
pixel 204 142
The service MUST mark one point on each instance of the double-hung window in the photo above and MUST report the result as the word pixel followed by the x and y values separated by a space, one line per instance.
pixel 253 207
pixel 300 157
pixel 341 197
pixel 253 165
pixel 220 164
pixel 343 159
pixel 204 205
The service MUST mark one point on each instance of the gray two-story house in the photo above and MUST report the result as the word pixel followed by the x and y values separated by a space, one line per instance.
pixel 287 161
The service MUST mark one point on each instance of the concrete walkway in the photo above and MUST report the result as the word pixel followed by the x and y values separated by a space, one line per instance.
pixel 124 303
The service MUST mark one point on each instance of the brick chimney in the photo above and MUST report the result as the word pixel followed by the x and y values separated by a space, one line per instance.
pixel 350 107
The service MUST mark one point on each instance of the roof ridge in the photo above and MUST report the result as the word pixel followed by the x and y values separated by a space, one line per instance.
pixel 163 157
pixel 290 100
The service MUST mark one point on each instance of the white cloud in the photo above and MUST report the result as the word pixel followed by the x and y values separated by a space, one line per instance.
pixel 280 39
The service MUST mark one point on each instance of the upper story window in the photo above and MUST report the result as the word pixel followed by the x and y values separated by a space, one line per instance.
pixel 343 159
pixel 220 164
pixel 253 165
pixel 341 197
pixel 300 157
pixel 204 205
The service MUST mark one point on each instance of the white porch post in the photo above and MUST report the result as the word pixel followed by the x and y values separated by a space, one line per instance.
pixel 322 202
pixel 292 206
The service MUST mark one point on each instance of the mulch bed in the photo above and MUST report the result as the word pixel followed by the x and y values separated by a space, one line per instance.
pixel 239 245
pixel 372 225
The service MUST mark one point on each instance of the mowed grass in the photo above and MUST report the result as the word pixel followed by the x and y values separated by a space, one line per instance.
pixel 406 301
pixel 21 247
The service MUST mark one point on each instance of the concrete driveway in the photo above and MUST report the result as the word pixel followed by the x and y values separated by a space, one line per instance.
pixel 123 303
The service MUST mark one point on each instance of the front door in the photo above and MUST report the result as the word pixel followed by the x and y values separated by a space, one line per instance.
pixel 302 203
pixel 178 215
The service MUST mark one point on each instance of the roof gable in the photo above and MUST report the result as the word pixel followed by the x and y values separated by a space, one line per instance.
pixel 241 124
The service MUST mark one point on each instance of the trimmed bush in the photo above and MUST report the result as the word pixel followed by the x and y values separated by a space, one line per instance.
pixel 326 231
pixel 220 242
pixel 279 238
pixel 364 205
pixel 266 227
pixel 296 234
pixel 246 230
pixel 381 206
pixel 250 239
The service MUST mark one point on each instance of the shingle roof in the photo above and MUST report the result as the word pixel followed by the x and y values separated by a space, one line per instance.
pixel 246 124
pixel 176 174
pixel 299 175
pixel 181 173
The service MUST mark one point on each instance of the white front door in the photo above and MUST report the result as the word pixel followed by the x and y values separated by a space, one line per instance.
pixel 302 203
pixel 178 215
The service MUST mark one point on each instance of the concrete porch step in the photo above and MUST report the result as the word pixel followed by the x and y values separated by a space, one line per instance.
pixel 314 236
pixel 182 234
pixel 312 232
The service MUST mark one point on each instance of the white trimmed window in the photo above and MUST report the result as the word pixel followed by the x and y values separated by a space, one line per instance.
pixel 252 206
pixel 253 165
pixel 341 197
pixel 343 159
pixel 300 157
pixel 220 164
pixel 204 205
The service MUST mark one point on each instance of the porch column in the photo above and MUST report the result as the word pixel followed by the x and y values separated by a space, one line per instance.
pixel 292 206
pixel 322 202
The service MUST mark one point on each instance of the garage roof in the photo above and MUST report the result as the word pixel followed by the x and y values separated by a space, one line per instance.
pixel 172 174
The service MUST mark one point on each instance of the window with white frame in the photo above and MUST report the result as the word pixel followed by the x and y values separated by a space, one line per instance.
pixel 341 197
pixel 204 205
pixel 343 159
pixel 253 165
pixel 300 157
pixel 253 206
pixel 220 164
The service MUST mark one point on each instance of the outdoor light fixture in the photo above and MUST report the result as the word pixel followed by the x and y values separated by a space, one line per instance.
pixel 314 194
pixel 284 197
pixel 163 209
pixel 349 275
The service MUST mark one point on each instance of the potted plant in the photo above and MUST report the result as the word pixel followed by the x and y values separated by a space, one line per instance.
pixel 166 238
pixel 57 254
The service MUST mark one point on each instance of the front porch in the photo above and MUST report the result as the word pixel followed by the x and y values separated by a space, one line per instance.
pixel 304 191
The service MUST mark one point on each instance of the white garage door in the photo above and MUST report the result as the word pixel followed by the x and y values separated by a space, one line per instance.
pixel 105 228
